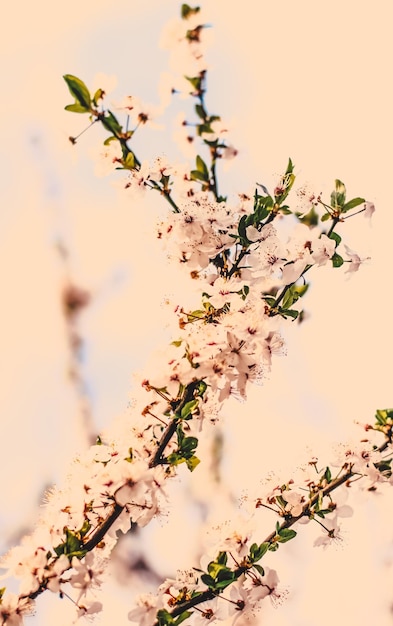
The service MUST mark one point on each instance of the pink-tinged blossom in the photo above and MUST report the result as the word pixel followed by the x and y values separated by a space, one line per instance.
pixel 259 588
pixel 294 502
pixel 107 83
pixel 55 571
pixel 161 167
pixel 139 112
pixel 232 536
pixel 266 258
pixel 136 183
pixel 274 344
pixel 369 209
pixel 308 198
pixel 187 39
pixel 354 260
pixel 362 461
pixel 108 159
pixel 291 272
pixel 198 233
pixel 29 565
pixel 229 152
pixel 133 479
pixel 184 136
pixel 13 608
pixel 209 612
pixel 185 579
pixel 225 291
pixel 310 245
pixel 267 232
pixel 341 509
pixel 145 613
pixel 88 572
pixel 89 610
pixel 323 249
pixel 240 609
pixel 331 536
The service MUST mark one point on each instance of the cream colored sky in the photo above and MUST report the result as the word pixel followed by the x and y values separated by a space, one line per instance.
pixel 306 80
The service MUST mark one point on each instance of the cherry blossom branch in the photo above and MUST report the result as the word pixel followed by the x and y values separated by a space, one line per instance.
pixel 221 577
pixel 86 103
pixel 223 345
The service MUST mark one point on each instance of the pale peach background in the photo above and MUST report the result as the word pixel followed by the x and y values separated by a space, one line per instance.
pixel 306 80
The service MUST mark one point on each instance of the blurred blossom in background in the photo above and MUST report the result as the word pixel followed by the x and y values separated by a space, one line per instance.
pixel 291 80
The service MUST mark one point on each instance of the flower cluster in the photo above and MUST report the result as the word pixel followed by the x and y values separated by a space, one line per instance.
pixel 249 277
pixel 231 583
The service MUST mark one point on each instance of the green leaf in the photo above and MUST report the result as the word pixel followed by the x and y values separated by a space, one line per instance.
pixel 219 575
pixel 382 415
pixel 337 260
pixel 187 11
pixel 200 111
pixel 289 298
pixel 325 217
pixel 214 568
pixel 262 208
pixel 183 616
pixel 290 166
pixel 257 552
pixel 175 458
pixel 189 444
pixel 99 94
pixel 195 82
pixel 192 462
pixel 300 289
pixel 310 219
pixel 327 475
pixel 201 388
pixel 198 314
pixel 129 161
pixel 79 90
pixel 195 175
pixel 77 108
pixel 110 122
pixel 286 534
pixel 352 204
pixel 273 547
pixel 222 558
pixel 108 140
pixel 72 546
pixel 85 528
pixel 288 313
pixel 222 584
pixel 208 580
pixel 259 569
pixel 336 237
pixel 323 512
pixel 286 183
pixel 73 542
pixel 337 197
pixel 164 618
pixel 202 167
pixel 241 229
